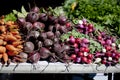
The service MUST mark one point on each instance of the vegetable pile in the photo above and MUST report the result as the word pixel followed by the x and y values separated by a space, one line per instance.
pixel 41 35
pixel 10 40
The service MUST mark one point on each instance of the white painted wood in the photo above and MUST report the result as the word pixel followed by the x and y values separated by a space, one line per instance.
pixel 45 67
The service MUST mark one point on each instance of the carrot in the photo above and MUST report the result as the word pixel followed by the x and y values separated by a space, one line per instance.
pixel 11 48
pixel 10 38
pixel 12 53
pixel 2 28
pixel 18 36
pixel 5 57
pixel 20 47
pixel 9 23
pixel 4 42
pixel 2 49
pixel 1 42
pixel 15 32
pixel 16 43
pixel 1 55
pixel 1 37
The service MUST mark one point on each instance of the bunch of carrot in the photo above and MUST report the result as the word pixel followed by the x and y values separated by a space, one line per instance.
pixel 10 39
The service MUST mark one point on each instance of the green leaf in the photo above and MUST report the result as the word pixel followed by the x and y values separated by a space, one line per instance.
pixel 23 11
pixel 15 12
pixel 20 15
pixel 10 17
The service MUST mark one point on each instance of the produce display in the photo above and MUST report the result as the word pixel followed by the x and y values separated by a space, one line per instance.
pixel 40 35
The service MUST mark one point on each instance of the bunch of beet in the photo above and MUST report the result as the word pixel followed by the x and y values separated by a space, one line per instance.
pixel 41 33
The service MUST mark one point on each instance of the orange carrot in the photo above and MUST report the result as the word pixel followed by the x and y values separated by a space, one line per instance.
pixel 5 57
pixel 15 32
pixel 10 38
pixel 2 28
pixel 18 36
pixel 2 49
pixel 1 37
pixel 1 55
pixel 20 46
pixel 12 53
pixel 16 43
pixel 11 47
pixel 1 42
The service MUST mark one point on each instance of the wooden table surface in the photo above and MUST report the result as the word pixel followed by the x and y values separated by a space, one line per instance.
pixel 45 67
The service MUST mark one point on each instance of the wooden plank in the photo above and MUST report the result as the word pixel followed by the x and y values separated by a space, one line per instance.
pixel 45 67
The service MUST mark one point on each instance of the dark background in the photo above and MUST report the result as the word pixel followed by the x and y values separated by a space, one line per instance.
pixel 6 6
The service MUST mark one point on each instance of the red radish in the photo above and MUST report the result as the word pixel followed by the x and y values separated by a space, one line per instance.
pixel 72 39
pixel 85 23
pixel 75 45
pixel 73 56
pixel 84 40
pixel 99 37
pixel 90 56
pixel 104 61
pixel 108 54
pixel 86 49
pixel 89 61
pixel 117 57
pixel 90 30
pixel 102 42
pixel 84 59
pixel 76 50
pixel 68 24
pixel 81 26
pixel 108 48
pixel 82 49
pixel 78 40
pixel 80 54
pixel 108 42
pixel 90 26
pixel 78 59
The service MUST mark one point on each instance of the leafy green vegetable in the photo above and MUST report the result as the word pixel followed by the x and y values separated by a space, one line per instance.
pixel 104 12
pixel 10 17
pixel 23 12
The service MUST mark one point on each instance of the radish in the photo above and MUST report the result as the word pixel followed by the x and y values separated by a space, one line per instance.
pixel 77 40
pixel 75 45
pixel 108 42
pixel 113 44
pixel 90 56
pixel 119 46
pixel 97 60
pixel 73 56
pixel 72 39
pixel 76 50
pixel 78 59
pixel 80 22
pixel 84 59
pixel 108 48
pixel 80 54
pixel 108 54
pixel 85 54
pixel 84 40
pixel 110 58
pixel 89 61
pixel 86 49
pixel 104 50
pixel 104 61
